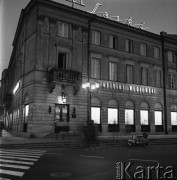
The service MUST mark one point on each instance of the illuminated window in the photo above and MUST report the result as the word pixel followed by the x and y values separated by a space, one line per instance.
pixel 143 48
pixel 112 116
pixel 61 112
pixel 26 110
pixel 63 29
pixel 129 117
pixel 174 118
pixel 113 71
pixel 144 117
pixel 95 115
pixel 158 118
pixel 96 37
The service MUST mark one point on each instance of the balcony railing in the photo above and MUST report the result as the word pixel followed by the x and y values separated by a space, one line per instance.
pixel 65 76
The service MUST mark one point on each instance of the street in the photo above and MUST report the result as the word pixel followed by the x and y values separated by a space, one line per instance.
pixel 150 162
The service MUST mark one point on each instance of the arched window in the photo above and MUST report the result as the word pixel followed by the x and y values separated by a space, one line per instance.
pixel 174 117
pixel 113 116
pixel 158 117
pixel 129 116
pixel 96 112
pixel 144 117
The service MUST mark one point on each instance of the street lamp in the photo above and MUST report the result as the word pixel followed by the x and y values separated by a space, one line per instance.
pixel 90 87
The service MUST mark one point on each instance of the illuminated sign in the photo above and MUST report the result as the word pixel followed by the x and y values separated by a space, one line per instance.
pixel 128 21
pixel 16 87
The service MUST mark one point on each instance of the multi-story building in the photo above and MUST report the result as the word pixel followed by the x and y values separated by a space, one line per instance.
pixel 68 66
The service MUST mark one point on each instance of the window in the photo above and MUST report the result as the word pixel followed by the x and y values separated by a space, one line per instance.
pixel 171 80
pixel 143 49
pixel 112 116
pixel 129 116
pixel 113 71
pixel 158 118
pixel 144 118
pixel 129 46
pixel 144 76
pixel 95 115
pixel 174 118
pixel 62 59
pixel 129 73
pixel 63 29
pixel 156 52
pixel 95 67
pixel 170 56
pixel 113 42
pixel 26 110
pixel 157 78
pixel 96 37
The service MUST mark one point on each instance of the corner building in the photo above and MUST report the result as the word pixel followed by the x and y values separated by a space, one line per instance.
pixel 57 49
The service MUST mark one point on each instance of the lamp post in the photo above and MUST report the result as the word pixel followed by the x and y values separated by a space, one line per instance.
pixel 89 87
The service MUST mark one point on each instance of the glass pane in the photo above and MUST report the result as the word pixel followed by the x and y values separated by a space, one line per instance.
pixel 64 113
pixel 144 117
pixel 112 116
pixel 158 117
pixel 129 116
pixel 95 115
pixel 26 110
pixel 174 118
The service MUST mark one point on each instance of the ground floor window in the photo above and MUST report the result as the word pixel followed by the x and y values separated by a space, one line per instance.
pixel 95 116
pixel 174 121
pixel 158 121
pixel 144 120
pixel 113 120
pixel 129 120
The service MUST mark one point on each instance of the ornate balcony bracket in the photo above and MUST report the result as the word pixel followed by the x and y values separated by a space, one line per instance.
pixel 68 77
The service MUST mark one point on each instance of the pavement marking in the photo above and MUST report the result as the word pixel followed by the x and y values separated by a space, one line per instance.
pixel 14 173
pixel 92 156
pixel 55 154
pixel 3 178
pixel 143 160
pixel 37 154
pixel 18 155
pixel 16 162
pixel 20 158
pixel 14 166
pixel 24 150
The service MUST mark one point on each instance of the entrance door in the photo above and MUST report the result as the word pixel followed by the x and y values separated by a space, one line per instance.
pixel 61 117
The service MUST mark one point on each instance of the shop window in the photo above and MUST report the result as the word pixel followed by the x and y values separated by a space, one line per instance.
pixel 95 116
pixel 113 120
pixel 158 121
pixel 144 120
pixel 96 37
pixel 174 121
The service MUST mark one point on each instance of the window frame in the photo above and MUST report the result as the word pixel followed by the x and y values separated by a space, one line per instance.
pixel 113 75
pixel 156 52
pixel 143 49
pixel 94 73
pixel 129 45
pixel 64 31
pixel 130 76
pixel 94 38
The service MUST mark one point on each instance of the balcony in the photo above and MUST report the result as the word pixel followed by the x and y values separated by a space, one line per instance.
pixel 7 100
pixel 64 75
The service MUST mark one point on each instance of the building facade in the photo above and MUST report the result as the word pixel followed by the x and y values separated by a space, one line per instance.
pixel 68 66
